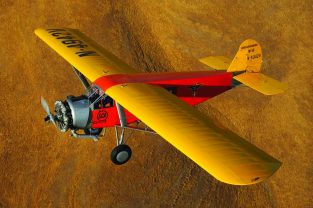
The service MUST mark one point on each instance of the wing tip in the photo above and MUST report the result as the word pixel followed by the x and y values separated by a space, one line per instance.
pixel 251 179
pixel 37 30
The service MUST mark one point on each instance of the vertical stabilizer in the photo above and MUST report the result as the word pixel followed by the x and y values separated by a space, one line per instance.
pixel 248 57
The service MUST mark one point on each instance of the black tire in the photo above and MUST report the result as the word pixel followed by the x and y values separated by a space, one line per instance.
pixel 121 154
pixel 92 131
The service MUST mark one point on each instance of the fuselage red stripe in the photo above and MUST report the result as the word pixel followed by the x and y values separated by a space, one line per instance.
pixel 208 78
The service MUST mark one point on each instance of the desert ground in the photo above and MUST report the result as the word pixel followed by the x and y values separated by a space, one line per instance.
pixel 41 167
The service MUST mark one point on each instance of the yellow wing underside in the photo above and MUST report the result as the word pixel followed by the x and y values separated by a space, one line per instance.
pixel 225 155
pixel 84 54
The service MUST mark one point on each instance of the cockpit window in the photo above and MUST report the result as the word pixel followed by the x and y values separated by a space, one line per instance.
pixel 94 94
pixel 98 99
pixel 106 102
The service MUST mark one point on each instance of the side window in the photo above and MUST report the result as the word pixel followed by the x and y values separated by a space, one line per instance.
pixel 105 102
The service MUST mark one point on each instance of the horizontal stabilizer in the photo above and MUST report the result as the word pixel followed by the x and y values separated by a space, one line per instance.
pixel 261 83
pixel 216 62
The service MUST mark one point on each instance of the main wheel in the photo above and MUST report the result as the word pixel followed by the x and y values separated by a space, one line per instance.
pixel 121 154
pixel 92 131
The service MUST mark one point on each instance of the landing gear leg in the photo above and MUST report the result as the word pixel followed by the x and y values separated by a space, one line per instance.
pixel 122 152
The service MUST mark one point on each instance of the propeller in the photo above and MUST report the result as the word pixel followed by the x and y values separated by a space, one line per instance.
pixel 45 106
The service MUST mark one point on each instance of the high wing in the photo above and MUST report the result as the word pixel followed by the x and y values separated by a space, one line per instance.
pixel 84 54
pixel 225 155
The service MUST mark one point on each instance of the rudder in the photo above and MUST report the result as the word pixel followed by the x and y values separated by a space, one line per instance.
pixel 248 57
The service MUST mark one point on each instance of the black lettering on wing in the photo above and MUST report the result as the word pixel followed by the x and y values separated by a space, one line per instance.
pixel 86 53
pixel 56 34
pixel 80 45
pixel 67 42
pixel 68 36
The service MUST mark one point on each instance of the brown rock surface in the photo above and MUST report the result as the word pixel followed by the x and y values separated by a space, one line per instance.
pixel 40 167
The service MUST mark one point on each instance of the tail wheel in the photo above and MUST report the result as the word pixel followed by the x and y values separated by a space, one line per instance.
pixel 121 154
pixel 92 131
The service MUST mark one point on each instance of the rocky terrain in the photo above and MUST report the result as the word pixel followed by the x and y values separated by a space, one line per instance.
pixel 41 167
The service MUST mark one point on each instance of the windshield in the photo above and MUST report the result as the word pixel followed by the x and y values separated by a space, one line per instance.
pixel 94 94
pixel 97 98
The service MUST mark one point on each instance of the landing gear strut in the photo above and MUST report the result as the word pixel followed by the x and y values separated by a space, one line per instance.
pixel 122 152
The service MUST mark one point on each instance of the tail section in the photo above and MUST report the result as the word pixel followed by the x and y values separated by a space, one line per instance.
pixel 247 60
pixel 248 57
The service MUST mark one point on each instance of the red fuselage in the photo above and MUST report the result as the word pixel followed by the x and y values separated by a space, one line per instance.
pixel 191 87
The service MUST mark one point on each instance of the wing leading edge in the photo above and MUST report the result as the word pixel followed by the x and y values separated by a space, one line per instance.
pixel 223 154
pixel 84 54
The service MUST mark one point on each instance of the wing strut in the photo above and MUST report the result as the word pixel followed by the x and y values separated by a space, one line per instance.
pixel 82 78
pixel 123 122
pixel 121 115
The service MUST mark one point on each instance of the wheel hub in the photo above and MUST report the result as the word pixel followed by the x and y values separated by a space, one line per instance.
pixel 122 156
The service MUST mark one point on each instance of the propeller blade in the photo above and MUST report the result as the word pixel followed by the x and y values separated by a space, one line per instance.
pixel 52 119
pixel 45 106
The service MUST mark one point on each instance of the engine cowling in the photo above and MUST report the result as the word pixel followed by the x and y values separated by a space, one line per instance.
pixel 73 113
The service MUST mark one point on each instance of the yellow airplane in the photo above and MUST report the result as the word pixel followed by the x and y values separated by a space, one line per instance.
pixel 120 97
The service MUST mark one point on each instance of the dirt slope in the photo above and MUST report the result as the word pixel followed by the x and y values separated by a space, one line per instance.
pixel 41 167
